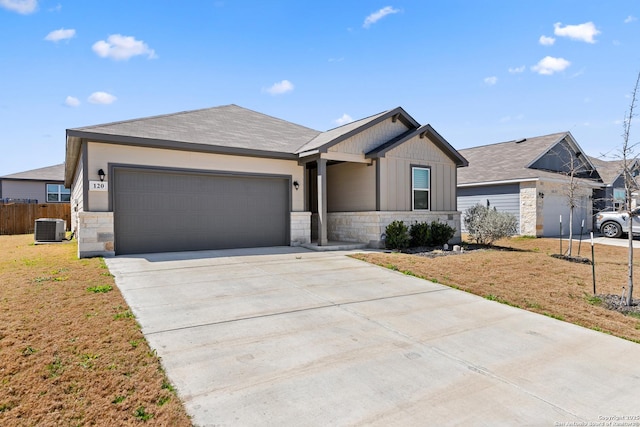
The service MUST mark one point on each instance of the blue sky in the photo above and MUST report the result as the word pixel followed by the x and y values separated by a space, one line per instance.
pixel 479 72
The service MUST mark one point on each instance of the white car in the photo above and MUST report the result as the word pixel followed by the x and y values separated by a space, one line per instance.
pixel 614 224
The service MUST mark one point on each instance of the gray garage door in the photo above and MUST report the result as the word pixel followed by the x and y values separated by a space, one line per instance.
pixel 161 211
pixel 558 204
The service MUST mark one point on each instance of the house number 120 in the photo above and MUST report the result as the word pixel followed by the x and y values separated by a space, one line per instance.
pixel 98 186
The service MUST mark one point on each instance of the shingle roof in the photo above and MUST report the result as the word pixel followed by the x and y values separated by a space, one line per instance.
pixel 228 126
pixel 49 173
pixel 507 161
pixel 609 170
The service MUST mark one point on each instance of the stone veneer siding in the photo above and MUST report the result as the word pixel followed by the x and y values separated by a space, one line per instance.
pixel 300 228
pixel 530 210
pixel 369 227
pixel 95 234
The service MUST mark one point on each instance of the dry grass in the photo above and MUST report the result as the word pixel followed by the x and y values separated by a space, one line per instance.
pixel 69 355
pixel 523 274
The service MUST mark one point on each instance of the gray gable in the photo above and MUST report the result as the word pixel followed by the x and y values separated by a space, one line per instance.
pixel 511 161
pixel 49 173
pixel 227 126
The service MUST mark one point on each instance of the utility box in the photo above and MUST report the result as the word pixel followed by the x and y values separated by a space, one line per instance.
pixel 50 230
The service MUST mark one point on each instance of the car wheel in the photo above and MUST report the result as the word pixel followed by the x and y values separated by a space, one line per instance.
pixel 611 229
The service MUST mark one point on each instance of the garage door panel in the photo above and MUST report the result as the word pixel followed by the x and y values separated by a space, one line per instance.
pixel 158 211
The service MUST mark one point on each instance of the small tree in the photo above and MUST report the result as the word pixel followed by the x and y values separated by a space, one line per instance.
pixel 630 185
pixel 486 225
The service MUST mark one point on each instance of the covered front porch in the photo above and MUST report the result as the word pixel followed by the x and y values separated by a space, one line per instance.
pixel 343 198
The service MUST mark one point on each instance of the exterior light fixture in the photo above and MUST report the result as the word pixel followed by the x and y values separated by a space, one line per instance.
pixel 296 185
pixel 101 174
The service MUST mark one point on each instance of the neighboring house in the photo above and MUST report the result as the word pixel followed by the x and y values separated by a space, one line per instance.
pixel 531 179
pixel 44 185
pixel 611 196
pixel 228 177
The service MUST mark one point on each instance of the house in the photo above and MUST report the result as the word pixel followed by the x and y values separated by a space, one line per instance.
pixel 229 177
pixel 531 178
pixel 44 185
pixel 611 196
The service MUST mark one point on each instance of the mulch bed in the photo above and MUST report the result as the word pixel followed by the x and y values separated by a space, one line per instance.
pixel 617 303
pixel 578 259
pixel 433 252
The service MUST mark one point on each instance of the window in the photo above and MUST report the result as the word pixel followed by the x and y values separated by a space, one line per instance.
pixel 57 193
pixel 421 183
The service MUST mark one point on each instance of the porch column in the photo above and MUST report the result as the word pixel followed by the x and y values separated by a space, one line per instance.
pixel 322 202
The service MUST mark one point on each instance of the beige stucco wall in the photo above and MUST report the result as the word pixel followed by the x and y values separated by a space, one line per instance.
pixel 351 187
pixel 395 176
pixel 101 154
pixel 371 138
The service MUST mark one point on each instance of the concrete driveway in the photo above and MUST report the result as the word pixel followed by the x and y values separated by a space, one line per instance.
pixel 286 336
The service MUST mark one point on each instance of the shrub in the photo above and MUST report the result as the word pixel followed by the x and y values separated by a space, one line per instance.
pixel 397 235
pixel 441 233
pixel 434 234
pixel 420 234
pixel 486 225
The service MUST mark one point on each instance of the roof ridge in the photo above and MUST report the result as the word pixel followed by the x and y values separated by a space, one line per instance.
pixel 515 140
pixel 157 116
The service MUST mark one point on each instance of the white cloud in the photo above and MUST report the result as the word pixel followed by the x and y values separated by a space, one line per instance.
pixel 24 7
pixel 582 32
pixel 101 98
pixel 517 70
pixel 549 65
pixel 490 81
pixel 376 16
pixel 343 120
pixel 56 8
pixel 629 19
pixel 61 34
pixel 279 88
pixel 71 101
pixel 546 41
pixel 119 47
pixel 507 119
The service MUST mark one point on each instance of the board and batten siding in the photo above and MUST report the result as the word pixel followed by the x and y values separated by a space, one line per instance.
pixel 351 187
pixel 395 176
pixel 371 138
pixel 505 198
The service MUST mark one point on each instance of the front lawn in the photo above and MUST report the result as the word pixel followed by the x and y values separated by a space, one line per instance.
pixel 71 351
pixel 521 272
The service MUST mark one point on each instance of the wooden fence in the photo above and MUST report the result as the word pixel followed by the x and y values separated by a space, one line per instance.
pixel 20 218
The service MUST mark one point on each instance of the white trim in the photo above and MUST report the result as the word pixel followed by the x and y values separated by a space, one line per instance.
pixel 506 181
pixel 563 179
pixel 414 189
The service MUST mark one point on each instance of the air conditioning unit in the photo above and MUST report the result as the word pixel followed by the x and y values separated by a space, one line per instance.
pixel 50 230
